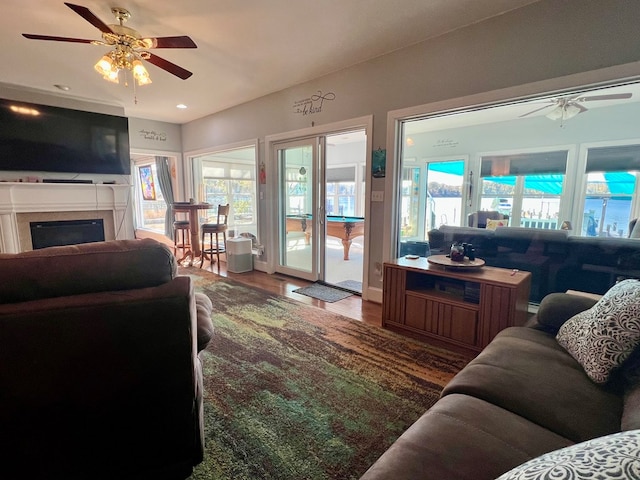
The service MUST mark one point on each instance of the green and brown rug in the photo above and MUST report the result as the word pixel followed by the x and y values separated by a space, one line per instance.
pixel 295 392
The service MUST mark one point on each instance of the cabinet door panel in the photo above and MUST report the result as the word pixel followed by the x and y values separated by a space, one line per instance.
pixel 416 315
pixel 497 311
pixel 393 305
pixel 449 321
pixel 459 324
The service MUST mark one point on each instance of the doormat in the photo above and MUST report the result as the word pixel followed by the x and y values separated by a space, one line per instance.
pixel 353 285
pixel 323 292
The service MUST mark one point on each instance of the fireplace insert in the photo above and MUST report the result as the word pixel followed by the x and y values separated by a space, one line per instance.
pixel 66 232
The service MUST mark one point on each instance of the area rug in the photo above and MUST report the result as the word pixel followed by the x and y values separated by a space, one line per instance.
pixel 324 292
pixel 292 391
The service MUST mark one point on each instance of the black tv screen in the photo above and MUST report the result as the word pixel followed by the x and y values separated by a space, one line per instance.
pixel 52 139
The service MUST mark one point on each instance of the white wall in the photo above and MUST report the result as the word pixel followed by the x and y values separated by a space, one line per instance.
pixel 545 40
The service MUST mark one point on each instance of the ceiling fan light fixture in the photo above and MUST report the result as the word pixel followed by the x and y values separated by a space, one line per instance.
pixel 564 111
pixel 104 66
pixel 112 76
pixel 571 111
pixel 556 113
pixel 140 73
pixel 129 47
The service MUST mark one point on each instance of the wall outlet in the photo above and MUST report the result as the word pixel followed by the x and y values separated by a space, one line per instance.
pixel 377 196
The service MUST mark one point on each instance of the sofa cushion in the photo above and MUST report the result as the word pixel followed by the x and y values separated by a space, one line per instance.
pixel 528 240
pixel 463 437
pixel 204 325
pixel 556 308
pixel 85 268
pixel 629 376
pixel 525 371
pixel 611 457
pixel 604 336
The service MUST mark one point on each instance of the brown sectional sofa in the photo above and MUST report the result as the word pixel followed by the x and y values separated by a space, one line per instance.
pixel 99 373
pixel 557 261
pixel 521 397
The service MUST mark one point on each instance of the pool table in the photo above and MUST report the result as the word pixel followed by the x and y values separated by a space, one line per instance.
pixel 344 228
pixel 300 223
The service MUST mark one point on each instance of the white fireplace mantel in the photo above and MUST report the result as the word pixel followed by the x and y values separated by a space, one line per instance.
pixel 56 199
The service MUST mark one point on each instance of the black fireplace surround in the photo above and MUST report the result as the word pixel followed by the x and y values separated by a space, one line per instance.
pixel 66 232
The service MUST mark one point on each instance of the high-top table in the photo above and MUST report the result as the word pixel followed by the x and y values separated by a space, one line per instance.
pixel 191 209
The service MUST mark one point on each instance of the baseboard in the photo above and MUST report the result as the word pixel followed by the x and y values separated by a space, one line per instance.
pixel 374 295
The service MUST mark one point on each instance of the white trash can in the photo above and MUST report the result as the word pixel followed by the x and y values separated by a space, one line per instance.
pixel 239 256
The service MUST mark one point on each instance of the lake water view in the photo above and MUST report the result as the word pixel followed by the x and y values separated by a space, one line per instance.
pixel 448 211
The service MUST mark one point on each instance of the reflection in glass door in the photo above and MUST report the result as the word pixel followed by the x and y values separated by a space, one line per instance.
pixel 432 196
pixel 298 213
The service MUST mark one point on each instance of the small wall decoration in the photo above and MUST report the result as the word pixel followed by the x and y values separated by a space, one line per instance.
pixel 313 104
pixel 262 174
pixel 153 135
pixel 379 163
pixel 146 183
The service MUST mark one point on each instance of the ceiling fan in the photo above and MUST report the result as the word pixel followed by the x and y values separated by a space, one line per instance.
pixel 129 47
pixel 568 107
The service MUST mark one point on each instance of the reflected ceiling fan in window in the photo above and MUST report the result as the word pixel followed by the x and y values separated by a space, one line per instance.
pixel 564 108
pixel 129 48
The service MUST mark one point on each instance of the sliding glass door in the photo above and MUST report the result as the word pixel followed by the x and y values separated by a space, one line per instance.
pixel 321 202
pixel 300 211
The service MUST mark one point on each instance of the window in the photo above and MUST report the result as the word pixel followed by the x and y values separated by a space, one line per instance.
pixel 611 174
pixel 341 191
pixel 442 203
pixel 544 171
pixel 527 187
pixel 230 177
pixel 150 204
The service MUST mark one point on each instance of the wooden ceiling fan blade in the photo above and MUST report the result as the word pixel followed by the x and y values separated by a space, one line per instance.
pixel 169 67
pixel 613 96
pixel 182 41
pixel 56 39
pixel 85 13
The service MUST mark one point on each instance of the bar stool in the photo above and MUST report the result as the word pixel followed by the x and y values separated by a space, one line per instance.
pixel 181 238
pixel 211 229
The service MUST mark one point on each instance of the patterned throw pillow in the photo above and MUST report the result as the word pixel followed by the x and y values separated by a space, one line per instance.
pixel 604 336
pixel 615 456
pixel 493 224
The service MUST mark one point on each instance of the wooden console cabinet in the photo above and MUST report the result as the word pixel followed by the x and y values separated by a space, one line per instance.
pixel 463 308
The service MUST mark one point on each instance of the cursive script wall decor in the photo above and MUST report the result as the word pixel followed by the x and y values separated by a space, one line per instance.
pixel 312 104
pixel 446 143
pixel 153 135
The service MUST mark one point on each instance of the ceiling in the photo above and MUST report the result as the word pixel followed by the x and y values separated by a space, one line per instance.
pixel 246 49
pixel 537 107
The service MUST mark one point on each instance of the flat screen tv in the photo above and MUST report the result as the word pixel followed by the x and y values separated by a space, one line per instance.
pixel 52 139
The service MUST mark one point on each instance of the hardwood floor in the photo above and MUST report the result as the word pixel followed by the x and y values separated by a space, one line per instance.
pixel 352 307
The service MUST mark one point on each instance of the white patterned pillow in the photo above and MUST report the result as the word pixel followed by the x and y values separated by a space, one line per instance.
pixel 615 456
pixel 604 336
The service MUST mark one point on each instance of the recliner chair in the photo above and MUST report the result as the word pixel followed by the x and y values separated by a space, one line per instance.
pixel 99 370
